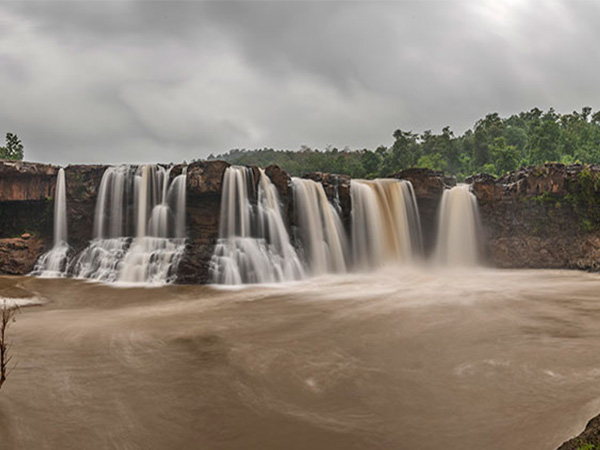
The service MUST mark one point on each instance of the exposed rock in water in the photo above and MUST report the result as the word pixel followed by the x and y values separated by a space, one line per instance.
pixel 204 183
pixel 590 436
pixel 82 183
pixel 19 255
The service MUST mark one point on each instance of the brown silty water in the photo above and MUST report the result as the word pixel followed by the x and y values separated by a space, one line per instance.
pixel 395 359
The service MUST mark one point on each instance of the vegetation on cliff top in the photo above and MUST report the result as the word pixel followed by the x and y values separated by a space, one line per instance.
pixel 495 145
pixel 13 149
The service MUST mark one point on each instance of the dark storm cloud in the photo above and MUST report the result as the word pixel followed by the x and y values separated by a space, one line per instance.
pixel 166 81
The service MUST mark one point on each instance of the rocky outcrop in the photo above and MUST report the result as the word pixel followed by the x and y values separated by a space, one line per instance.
pixel 26 208
pixel 588 439
pixel 429 187
pixel 542 217
pixel 19 255
pixel 25 181
pixel 204 186
pixel 82 183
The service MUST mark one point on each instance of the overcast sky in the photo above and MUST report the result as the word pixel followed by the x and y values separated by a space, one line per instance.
pixel 112 82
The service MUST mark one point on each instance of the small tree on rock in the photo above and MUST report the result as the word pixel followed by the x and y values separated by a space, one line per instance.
pixel 13 148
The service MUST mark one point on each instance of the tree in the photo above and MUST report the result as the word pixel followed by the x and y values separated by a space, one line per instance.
pixel 371 162
pixel 433 161
pixel 504 157
pixel 403 154
pixel 13 148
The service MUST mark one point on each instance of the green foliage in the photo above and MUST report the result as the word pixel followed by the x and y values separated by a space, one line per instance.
pixel 495 145
pixel 588 446
pixel 584 196
pixel 13 148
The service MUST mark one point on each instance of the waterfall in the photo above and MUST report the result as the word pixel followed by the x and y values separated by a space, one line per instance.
pixel 177 193
pixel 54 263
pixel 253 245
pixel 320 228
pixel 385 222
pixel 111 203
pixel 151 255
pixel 457 240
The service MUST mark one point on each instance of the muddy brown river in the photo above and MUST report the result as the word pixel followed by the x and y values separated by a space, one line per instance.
pixel 398 359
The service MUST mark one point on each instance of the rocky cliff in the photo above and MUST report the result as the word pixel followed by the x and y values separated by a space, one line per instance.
pixel 544 217
pixel 26 191
pixel 203 207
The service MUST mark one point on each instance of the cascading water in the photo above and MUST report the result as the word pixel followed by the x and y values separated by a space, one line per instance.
pixel 54 263
pixel 458 240
pixel 385 222
pixel 254 245
pixel 320 228
pixel 153 253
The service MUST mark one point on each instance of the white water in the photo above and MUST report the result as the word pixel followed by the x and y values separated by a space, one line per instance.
pixel 112 198
pixel 53 264
pixel 319 227
pixel 254 245
pixel 152 255
pixel 457 240
pixel 385 222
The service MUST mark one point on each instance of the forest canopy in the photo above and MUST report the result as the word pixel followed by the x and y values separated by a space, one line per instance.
pixel 495 145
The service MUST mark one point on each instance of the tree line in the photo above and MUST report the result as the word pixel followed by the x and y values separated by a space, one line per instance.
pixel 495 145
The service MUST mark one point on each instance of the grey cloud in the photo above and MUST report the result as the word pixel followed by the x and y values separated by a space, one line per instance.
pixel 134 81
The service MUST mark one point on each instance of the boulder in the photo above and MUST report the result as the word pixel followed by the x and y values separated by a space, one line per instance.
pixel 18 256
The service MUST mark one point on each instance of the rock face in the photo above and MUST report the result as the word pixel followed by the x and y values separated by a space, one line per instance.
pixel 25 181
pixel 18 255
pixel 82 182
pixel 544 217
pixel 26 206
pixel 203 208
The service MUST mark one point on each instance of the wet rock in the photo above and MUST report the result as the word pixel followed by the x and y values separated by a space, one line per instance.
pixel 590 436
pixel 203 209
pixel 205 177
pixel 429 187
pixel 82 183
pixel 337 190
pixel 18 256
pixel 283 183
pixel 194 267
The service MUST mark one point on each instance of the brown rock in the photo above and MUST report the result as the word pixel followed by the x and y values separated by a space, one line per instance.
pixel 591 435
pixel 18 256
pixel 205 177
pixel 530 219
pixel 25 181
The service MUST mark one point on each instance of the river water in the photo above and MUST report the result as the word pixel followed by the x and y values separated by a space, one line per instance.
pixel 398 359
